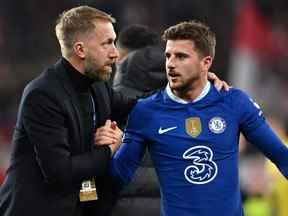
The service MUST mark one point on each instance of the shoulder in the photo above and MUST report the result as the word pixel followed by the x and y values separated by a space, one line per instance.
pixel 233 92
pixel 42 82
pixel 144 112
pixel 146 107
pixel 46 84
pixel 243 106
pixel 149 102
pixel 235 96
pixel 239 103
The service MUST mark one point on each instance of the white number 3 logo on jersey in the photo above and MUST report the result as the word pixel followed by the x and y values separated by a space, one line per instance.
pixel 203 168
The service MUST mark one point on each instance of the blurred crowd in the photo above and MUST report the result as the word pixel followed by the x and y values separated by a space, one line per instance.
pixel 251 52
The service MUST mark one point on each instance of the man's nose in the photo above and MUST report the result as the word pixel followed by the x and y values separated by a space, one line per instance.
pixel 114 53
pixel 170 63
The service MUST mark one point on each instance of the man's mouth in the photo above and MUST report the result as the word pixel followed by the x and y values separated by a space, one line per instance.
pixel 173 74
pixel 110 65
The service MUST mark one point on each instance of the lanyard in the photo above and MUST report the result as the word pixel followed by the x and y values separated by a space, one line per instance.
pixel 94 112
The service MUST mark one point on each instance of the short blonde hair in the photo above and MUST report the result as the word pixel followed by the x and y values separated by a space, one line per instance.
pixel 77 21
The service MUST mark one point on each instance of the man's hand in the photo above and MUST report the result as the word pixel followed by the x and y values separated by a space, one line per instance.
pixel 219 84
pixel 110 135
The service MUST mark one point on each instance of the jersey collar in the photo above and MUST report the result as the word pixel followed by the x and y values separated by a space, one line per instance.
pixel 175 98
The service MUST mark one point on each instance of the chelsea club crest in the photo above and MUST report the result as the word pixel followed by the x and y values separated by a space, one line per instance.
pixel 217 125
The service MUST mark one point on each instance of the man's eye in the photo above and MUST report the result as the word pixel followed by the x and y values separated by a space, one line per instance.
pixel 108 43
pixel 181 56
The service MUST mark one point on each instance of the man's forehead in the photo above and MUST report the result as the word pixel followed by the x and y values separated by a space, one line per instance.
pixel 105 29
pixel 179 45
pixel 103 25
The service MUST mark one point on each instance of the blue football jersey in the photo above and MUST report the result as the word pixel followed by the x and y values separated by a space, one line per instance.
pixel 194 148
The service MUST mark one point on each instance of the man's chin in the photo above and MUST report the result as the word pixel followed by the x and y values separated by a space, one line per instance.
pixel 174 86
pixel 107 75
pixel 104 76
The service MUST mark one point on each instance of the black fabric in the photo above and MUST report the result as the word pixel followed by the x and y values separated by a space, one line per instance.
pixel 49 159
pixel 142 196
pixel 140 74
pixel 86 110
pixel 79 82
pixel 137 205
pixel 141 71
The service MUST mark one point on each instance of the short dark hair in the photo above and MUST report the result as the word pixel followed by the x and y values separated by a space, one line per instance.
pixel 137 36
pixel 203 38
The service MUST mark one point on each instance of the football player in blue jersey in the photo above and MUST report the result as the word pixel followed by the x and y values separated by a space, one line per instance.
pixel 192 131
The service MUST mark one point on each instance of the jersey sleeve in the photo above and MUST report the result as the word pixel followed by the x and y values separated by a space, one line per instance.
pixel 127 159
pixel 272 147
pixel 249 112
pixel 258 132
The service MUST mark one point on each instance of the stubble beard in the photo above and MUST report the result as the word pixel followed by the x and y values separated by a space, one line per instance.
pixel 97 74
pixel 182 88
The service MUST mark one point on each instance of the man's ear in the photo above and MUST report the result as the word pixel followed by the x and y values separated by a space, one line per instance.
pixel 206 63
pixel 79 49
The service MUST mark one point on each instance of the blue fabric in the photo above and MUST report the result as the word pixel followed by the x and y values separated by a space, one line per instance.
pixel 194 148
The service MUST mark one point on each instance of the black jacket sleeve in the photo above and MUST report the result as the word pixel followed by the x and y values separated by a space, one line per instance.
pixel 46 125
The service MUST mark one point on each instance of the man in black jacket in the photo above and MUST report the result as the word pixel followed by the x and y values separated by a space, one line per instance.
pixel 55 163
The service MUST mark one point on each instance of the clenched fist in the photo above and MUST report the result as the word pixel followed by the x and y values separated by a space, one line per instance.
pixel 110 135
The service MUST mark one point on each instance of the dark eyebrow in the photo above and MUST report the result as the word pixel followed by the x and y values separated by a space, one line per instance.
pixel 108 41
pixel 179 54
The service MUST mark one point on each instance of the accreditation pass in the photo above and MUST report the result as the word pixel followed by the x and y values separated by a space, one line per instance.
pixel 88 191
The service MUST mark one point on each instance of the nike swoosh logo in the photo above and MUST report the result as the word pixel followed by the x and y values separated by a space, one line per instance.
pixel 162 131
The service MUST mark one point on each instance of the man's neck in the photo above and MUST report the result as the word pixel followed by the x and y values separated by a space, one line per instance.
pixel 76 63
pixel 193 91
